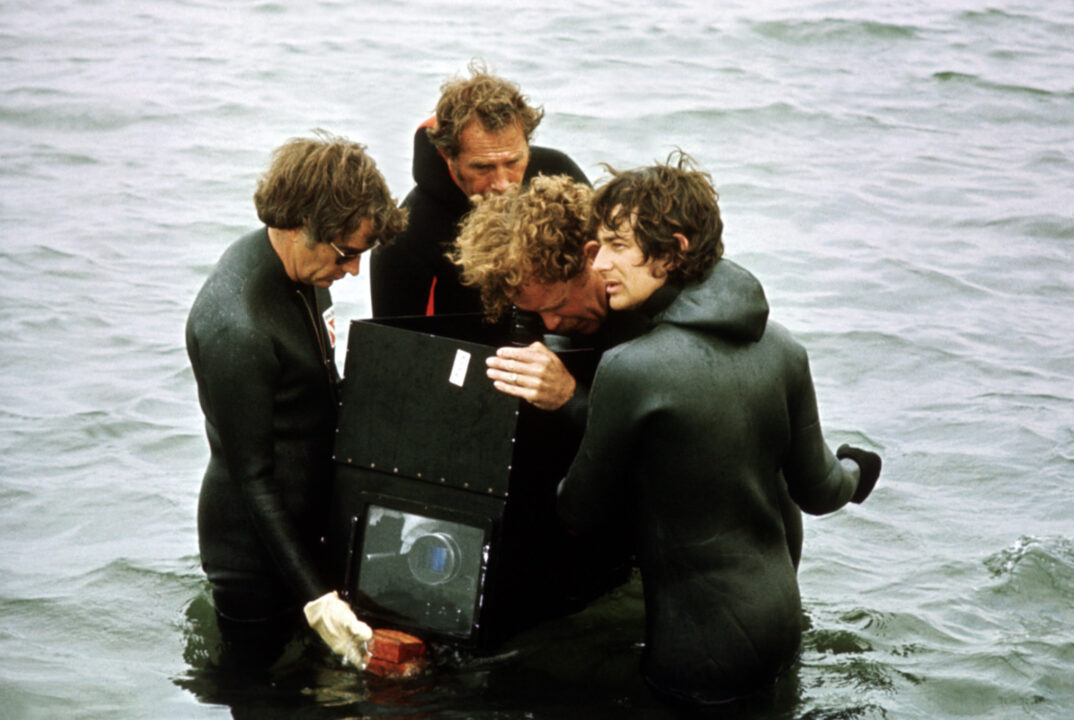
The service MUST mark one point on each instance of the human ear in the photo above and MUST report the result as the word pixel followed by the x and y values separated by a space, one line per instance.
pixel 668 263
pixel 451 166
pixel 590 249
pixel 684 245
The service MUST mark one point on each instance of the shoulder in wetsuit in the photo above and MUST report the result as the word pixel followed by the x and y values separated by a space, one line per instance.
pixel 405 271
pixel 693 430
pixel 619 327
pixel 267 384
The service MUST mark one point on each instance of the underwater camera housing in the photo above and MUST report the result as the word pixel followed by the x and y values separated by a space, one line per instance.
pixel 444 518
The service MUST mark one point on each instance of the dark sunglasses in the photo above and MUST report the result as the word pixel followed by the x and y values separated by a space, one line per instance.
pixel 345 256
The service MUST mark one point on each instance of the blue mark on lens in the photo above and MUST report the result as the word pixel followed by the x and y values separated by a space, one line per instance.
pixel 439 559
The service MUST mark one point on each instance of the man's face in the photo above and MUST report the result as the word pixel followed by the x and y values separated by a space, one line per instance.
pixel 490 162
pixel 323 264
pixel 578 305
pixel 627 275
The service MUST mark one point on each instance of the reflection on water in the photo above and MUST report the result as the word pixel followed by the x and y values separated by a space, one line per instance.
pixel 585 666
pixel 541 668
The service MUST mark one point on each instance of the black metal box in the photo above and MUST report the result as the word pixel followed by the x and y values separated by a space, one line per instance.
pixel 444 516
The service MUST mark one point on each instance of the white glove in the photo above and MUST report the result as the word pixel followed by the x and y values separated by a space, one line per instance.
pixel 337 625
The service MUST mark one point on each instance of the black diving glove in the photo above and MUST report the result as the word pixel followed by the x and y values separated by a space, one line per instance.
pixel 869 464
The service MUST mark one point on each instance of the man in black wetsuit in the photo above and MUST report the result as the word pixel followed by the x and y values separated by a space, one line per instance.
pixel 260 337
pixel 529 248
pixel 476 144
pixel 693 429
pixel 533 248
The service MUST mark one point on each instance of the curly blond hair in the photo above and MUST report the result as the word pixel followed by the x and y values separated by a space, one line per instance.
pixel 531 234
pixel 496 103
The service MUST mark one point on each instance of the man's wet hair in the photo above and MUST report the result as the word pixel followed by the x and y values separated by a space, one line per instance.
pixel 328 185
pixel 531 234
pixel 494 102
pixel 659 201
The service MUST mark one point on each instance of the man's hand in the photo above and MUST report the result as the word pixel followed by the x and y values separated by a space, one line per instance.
pixel 533 373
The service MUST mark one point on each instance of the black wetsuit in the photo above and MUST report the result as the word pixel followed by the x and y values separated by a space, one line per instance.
pixel 692 428
pixel 403 271
pixel 619 327
pixel 267 383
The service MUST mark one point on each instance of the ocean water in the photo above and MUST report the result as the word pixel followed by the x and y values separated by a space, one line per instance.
pixel 899 175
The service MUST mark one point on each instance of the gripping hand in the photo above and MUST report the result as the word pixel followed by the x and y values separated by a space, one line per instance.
pixel 868 462
pixel 333 619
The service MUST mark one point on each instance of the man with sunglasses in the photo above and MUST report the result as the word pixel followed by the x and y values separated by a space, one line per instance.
pixel 260 340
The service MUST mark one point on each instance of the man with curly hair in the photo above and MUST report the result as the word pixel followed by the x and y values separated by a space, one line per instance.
pixel 697 431
pixel 477 144
pixel 532 248
pixel 260 337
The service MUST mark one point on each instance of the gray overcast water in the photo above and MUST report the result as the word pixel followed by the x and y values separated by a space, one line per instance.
pixel 899 176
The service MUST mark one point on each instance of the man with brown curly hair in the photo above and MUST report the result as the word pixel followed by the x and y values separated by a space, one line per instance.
pixel 534 248
pixel 698 432
pixel 531 248
pixel 260 337
pixel 477 144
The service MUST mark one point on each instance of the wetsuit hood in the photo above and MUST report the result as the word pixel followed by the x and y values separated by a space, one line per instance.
pixel 412 270
pixel 431 171
pixel 728 302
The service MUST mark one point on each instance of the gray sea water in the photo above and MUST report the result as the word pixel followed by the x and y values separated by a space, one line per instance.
pixel 899 175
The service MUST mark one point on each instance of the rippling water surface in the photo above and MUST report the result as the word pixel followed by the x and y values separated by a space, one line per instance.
pixel 898 174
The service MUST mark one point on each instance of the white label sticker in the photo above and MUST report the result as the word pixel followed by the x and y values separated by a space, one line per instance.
pixel 329 317
pixel 459 367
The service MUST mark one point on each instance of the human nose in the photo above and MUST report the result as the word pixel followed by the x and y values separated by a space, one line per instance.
pixel 601 262
pixel 551 320
pixel 352 267
pixel 501 181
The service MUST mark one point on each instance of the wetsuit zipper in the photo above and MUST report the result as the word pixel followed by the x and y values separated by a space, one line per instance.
pixel 326 362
